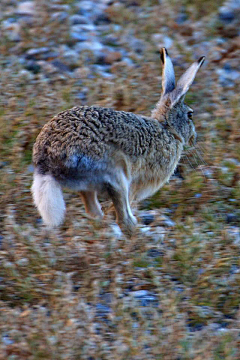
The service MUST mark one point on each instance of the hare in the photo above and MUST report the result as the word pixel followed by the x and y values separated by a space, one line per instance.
pixel 97 150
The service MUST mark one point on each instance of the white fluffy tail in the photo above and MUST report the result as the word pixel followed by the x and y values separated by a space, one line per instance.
pixel 48 198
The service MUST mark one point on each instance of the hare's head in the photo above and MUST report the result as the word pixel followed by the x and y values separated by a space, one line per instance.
pixel 171 108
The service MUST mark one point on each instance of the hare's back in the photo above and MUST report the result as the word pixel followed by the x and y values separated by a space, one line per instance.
pixel 94 131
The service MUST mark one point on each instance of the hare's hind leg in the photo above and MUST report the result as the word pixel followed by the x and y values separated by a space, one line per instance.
pixel 120 198
pixel 91 203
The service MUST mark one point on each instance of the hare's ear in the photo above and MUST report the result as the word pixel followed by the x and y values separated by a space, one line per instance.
pixel 186 81
pixel 168 76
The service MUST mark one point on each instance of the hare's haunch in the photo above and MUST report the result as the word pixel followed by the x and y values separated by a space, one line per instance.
pixel 94 150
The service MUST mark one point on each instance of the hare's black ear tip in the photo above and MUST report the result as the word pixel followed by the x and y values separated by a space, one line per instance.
pixel 163 51
pixel 201 60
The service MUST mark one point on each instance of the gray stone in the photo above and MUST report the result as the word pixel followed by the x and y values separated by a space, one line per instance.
pixel 36 53
pixel 228 76
pixel 59 16
pixel 7 340
pixel 70 57
pixel 101 19
pixel 11 29
pixel 91 45
pixel 32 66
pixel 59 65
pixel 59 7
pixel 26 8
pixel 78 19
pixel 226 15
pixel 78 36
pixel 181 18
pixel 162 40
pixel 147 218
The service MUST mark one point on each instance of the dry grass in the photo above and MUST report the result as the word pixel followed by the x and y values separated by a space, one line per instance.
pixel 85 292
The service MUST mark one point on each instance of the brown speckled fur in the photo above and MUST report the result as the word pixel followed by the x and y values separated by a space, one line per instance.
pixel 95 149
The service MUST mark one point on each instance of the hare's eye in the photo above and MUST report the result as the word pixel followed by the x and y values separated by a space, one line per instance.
pixel 190 114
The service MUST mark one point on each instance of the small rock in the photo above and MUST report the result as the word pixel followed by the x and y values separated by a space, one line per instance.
pixel 7 340
pixel 86 5
pixel 168 222
pixel 59 16
pixel 154 253
pixel 234 233
pixel 147 218
pixel 12 30
pixel 140 293
pixel 82 72
pixel 22 262
pixel 78 19
pixel 92 46
pixel 102 310
pixel 71 58
pixel 36 53
pixel 228 76
pixel 231 218
pixel 226 15
pixel 162 40
pixel 26 8
pixel 108 57
pixel 181 18
pixel 33 66
pixel 101 19
pixel 145 229
pixel 137 45
pixel 59 7
pixel 59 65
pixel 145 298
pixel 3 164
pixel 26 74
pixel 110 40
pixel 83 27
pixel 76 36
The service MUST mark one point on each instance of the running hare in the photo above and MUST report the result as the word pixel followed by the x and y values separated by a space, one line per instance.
pixel 94 150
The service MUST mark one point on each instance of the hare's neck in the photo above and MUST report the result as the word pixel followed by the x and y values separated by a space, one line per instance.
pixel 175 132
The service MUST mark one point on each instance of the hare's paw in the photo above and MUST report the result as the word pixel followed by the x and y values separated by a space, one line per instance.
pixel 128 225
pixel 92 206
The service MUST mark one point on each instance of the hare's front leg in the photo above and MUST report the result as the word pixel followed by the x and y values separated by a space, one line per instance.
pixel 91 203
pixel 119 194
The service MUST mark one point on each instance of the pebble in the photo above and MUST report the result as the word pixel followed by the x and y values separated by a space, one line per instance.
pixel 228 76
pixel 36 52
pixel 26 8
pixel 162 40
pixel 145 297
pixel 94 46
pixel 108 57
pixel 226 15
pixel 78 19
pixel 59 65
pixel 32 66
pixel 147 218
pixel 11 29
pixel 231 218
pixel 78 36
pixel 7 340
pixel 59 16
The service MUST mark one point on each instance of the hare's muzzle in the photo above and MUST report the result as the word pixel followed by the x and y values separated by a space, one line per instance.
pixel 192 140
